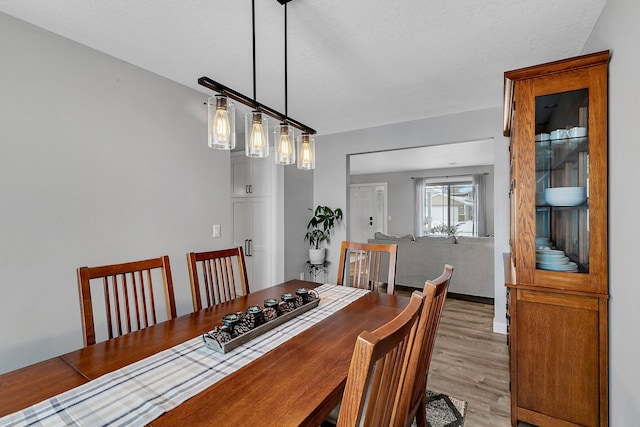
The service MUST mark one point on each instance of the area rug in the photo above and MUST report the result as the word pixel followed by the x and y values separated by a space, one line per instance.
pixel 444 411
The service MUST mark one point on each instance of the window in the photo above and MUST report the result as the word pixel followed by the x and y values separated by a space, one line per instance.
pixel 450 207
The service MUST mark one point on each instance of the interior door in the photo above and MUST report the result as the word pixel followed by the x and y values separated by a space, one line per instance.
pixel 259 247
pixel 368 211
pixel 252 230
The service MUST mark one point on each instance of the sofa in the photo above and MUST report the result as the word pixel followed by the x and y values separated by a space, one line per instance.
pixel 423 258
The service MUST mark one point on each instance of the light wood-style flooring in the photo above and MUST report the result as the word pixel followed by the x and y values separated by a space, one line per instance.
pixel 471 363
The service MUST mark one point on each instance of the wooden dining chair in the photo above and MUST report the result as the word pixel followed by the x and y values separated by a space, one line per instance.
pixel 413 399
pixel 223 273
pixel 360 263
pixel 129 294
pixel 377 367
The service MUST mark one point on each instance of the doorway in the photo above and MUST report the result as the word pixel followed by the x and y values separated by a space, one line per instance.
pixel 369 211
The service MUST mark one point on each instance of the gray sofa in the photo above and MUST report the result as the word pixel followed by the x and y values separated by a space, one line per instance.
pixel 424 258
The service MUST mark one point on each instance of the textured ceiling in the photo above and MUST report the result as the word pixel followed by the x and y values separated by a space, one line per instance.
pixel 352 64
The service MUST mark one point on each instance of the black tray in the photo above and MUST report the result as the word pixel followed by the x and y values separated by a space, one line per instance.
pixel 265 327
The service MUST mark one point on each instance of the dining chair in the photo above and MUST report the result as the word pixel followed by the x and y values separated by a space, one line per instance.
pixel 129 296
pixel 377 369
pixel 221 276
pixel 360 265
pixel 413 399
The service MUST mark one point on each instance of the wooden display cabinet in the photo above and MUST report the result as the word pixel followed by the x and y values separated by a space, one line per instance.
pixel 556 116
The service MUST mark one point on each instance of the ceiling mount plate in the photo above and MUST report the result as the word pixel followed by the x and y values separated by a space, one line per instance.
pixel 283 1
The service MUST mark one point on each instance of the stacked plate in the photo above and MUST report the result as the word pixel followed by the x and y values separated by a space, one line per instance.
pixel 543 243
pixel 555 260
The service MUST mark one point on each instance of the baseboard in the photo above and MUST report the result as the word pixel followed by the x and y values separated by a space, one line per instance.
pixel 464 297
pixel 499 327
pixel 470 298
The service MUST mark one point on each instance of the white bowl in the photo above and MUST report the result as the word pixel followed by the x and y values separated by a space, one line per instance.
pixel 576 132
pixel 565 196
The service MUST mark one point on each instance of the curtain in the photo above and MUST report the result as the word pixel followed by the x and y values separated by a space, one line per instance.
pixel 479 214
pixel 418 227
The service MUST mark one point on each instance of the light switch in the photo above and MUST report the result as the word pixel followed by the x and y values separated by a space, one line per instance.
pixel 216 230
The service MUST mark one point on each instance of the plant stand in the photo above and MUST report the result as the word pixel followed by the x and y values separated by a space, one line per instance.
pixel 317 269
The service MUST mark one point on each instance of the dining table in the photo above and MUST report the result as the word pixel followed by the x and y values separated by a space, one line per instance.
pixel 298 382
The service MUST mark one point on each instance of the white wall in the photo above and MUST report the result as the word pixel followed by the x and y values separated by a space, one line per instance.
pixel 332 171
pixel 100 162
pixel 618 30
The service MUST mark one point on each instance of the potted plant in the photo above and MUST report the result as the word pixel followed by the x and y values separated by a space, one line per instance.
pixel 319 230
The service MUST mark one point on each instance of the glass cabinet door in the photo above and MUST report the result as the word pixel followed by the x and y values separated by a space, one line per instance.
pixel 562 181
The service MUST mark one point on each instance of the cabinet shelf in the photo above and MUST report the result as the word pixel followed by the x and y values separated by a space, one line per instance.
pixel 560 154
pixel 547 208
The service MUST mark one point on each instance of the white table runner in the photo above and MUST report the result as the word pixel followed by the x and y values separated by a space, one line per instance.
pixel 141 392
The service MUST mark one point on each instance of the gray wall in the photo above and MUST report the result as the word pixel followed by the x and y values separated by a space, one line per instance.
pixel 618 31
pixel 101 162
pixel 331 178
pixel 401 194
pixel 298 205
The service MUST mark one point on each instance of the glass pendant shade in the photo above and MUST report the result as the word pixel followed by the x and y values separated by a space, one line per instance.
pixel 306 152
pixel 256 139
pixel 285 144
pixel 221 123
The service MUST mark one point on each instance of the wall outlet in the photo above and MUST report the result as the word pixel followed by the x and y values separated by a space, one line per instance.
pixel 302 276
pixel 216 230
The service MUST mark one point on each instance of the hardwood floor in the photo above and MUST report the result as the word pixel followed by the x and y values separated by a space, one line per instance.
pixel 471 363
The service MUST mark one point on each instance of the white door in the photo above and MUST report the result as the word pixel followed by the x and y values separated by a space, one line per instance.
pixel 252 230
pixel 368 211
pixel 259 245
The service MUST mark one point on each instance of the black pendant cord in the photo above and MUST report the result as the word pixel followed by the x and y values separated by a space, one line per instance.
pixel 286 112
pixel 252 102
pixel 253 42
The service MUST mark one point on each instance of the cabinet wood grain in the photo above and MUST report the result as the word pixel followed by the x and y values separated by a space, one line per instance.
pixel 557 321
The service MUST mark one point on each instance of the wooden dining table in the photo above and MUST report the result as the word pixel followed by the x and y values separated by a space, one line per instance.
pixel 297 383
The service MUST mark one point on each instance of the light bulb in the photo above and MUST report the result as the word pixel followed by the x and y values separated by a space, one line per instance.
pixel 306 154
pixel 221 125
pixel 258 139
pixel 284 147
pixel 285 154
pixel 305 149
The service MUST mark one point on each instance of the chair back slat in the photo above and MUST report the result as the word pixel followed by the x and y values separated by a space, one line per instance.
pixel 129 301
pixel 377 368
pixel 413 400
pixel 217 276
pixel 138 302
pixel 143 299
pixel 361 265
pixel 117 306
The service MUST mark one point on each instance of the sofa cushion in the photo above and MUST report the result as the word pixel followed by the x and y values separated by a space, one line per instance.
pixel 424 259
pixel 381 236
pixel 436 239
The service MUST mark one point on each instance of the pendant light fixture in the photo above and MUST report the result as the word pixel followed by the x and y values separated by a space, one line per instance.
pixel 221 123
pixel 306 152
pixel 285 136
pixel 221 119
pixel 256 140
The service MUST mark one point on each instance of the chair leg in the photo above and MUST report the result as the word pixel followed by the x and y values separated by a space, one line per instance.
pixel 421 413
